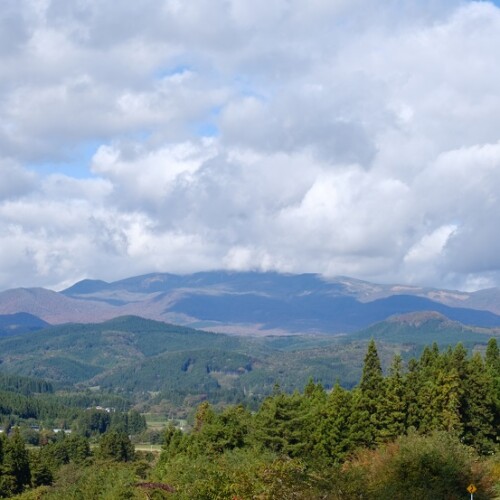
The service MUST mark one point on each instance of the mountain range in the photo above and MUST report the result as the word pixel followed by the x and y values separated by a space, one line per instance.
pixel 244 303
pixel 263 328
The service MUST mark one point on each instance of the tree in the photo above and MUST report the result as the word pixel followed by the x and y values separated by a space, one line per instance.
pixel 77 448
pixel 393 409
pixel 372 378
pixel 492 359
pixel 479 411
pixel 367 400
pixel 281 425
pixel 41 473
pixel 15 467
pixel 116 446
pixel 331 434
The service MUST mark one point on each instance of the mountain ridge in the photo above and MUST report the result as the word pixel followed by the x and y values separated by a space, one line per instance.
pixel 250 302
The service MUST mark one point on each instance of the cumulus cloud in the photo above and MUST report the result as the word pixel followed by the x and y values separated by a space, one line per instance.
pixel 339 137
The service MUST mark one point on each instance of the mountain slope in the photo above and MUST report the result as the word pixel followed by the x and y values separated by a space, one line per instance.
pixel 138 357
pixel 53 307
pixel 135 355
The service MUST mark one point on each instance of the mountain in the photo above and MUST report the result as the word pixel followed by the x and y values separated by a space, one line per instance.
pixel 250 302
pixel 53 307
pixel 424 328
pixel 14 324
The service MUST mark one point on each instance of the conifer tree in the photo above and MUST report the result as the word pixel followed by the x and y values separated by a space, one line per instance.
pixel 15 467
pixel 367 400
pixel 332 434
pixel 492 358
pixel 413 382
pixel 393 408
pixel 221 432
pixel 492 361
pixel 449 401
pixel 41 473
pixel 116 446
pixel 281 425
pixel 372 378
pixel 479 410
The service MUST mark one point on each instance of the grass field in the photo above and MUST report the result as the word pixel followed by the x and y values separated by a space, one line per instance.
pixel 153 448
pixel 159 422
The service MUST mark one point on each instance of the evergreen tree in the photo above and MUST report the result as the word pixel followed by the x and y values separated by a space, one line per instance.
pixel 136 422
pixel 116 446
pixel 492 359
pixel 15 470
pixel 413 383
pixel 367 400
pixel 220 432
pixel 480 415
pixel 77 448
pixel 41 473
pixel 392 410
pixel 281 425
pixel 372 378
pixel 449 401
pixel 332 434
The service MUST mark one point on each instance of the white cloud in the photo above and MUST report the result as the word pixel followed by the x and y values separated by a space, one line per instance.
pixel 15 180
pixel 356 138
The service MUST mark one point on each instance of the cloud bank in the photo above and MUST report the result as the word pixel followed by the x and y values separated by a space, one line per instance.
pixel 339 137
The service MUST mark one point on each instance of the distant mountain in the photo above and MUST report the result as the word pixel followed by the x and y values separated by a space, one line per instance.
pixel 250 302
pixel 53 307
pixel 424 328
pixel 15 324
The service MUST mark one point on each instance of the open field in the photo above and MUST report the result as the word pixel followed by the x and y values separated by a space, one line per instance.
pixel 153 448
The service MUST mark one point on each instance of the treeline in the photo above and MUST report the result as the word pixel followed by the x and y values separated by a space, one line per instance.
pixel 95 421
pixel 39 418
pixel 24 385
pixel 426 427
pixel 27 401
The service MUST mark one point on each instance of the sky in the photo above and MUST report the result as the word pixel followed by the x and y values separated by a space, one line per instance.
pixel 342 137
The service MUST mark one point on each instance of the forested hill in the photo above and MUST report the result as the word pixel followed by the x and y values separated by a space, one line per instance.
pixel 138 357
pixel 13 324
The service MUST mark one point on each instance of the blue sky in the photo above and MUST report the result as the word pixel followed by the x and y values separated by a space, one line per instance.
pixel 341 137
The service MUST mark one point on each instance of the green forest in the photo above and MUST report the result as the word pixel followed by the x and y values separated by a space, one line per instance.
pixel 425 429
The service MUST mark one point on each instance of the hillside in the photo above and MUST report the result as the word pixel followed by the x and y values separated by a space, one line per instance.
pixel 131 354
pixel 143 358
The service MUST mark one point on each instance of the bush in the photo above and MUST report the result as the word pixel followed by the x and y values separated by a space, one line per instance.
pixel 419 467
